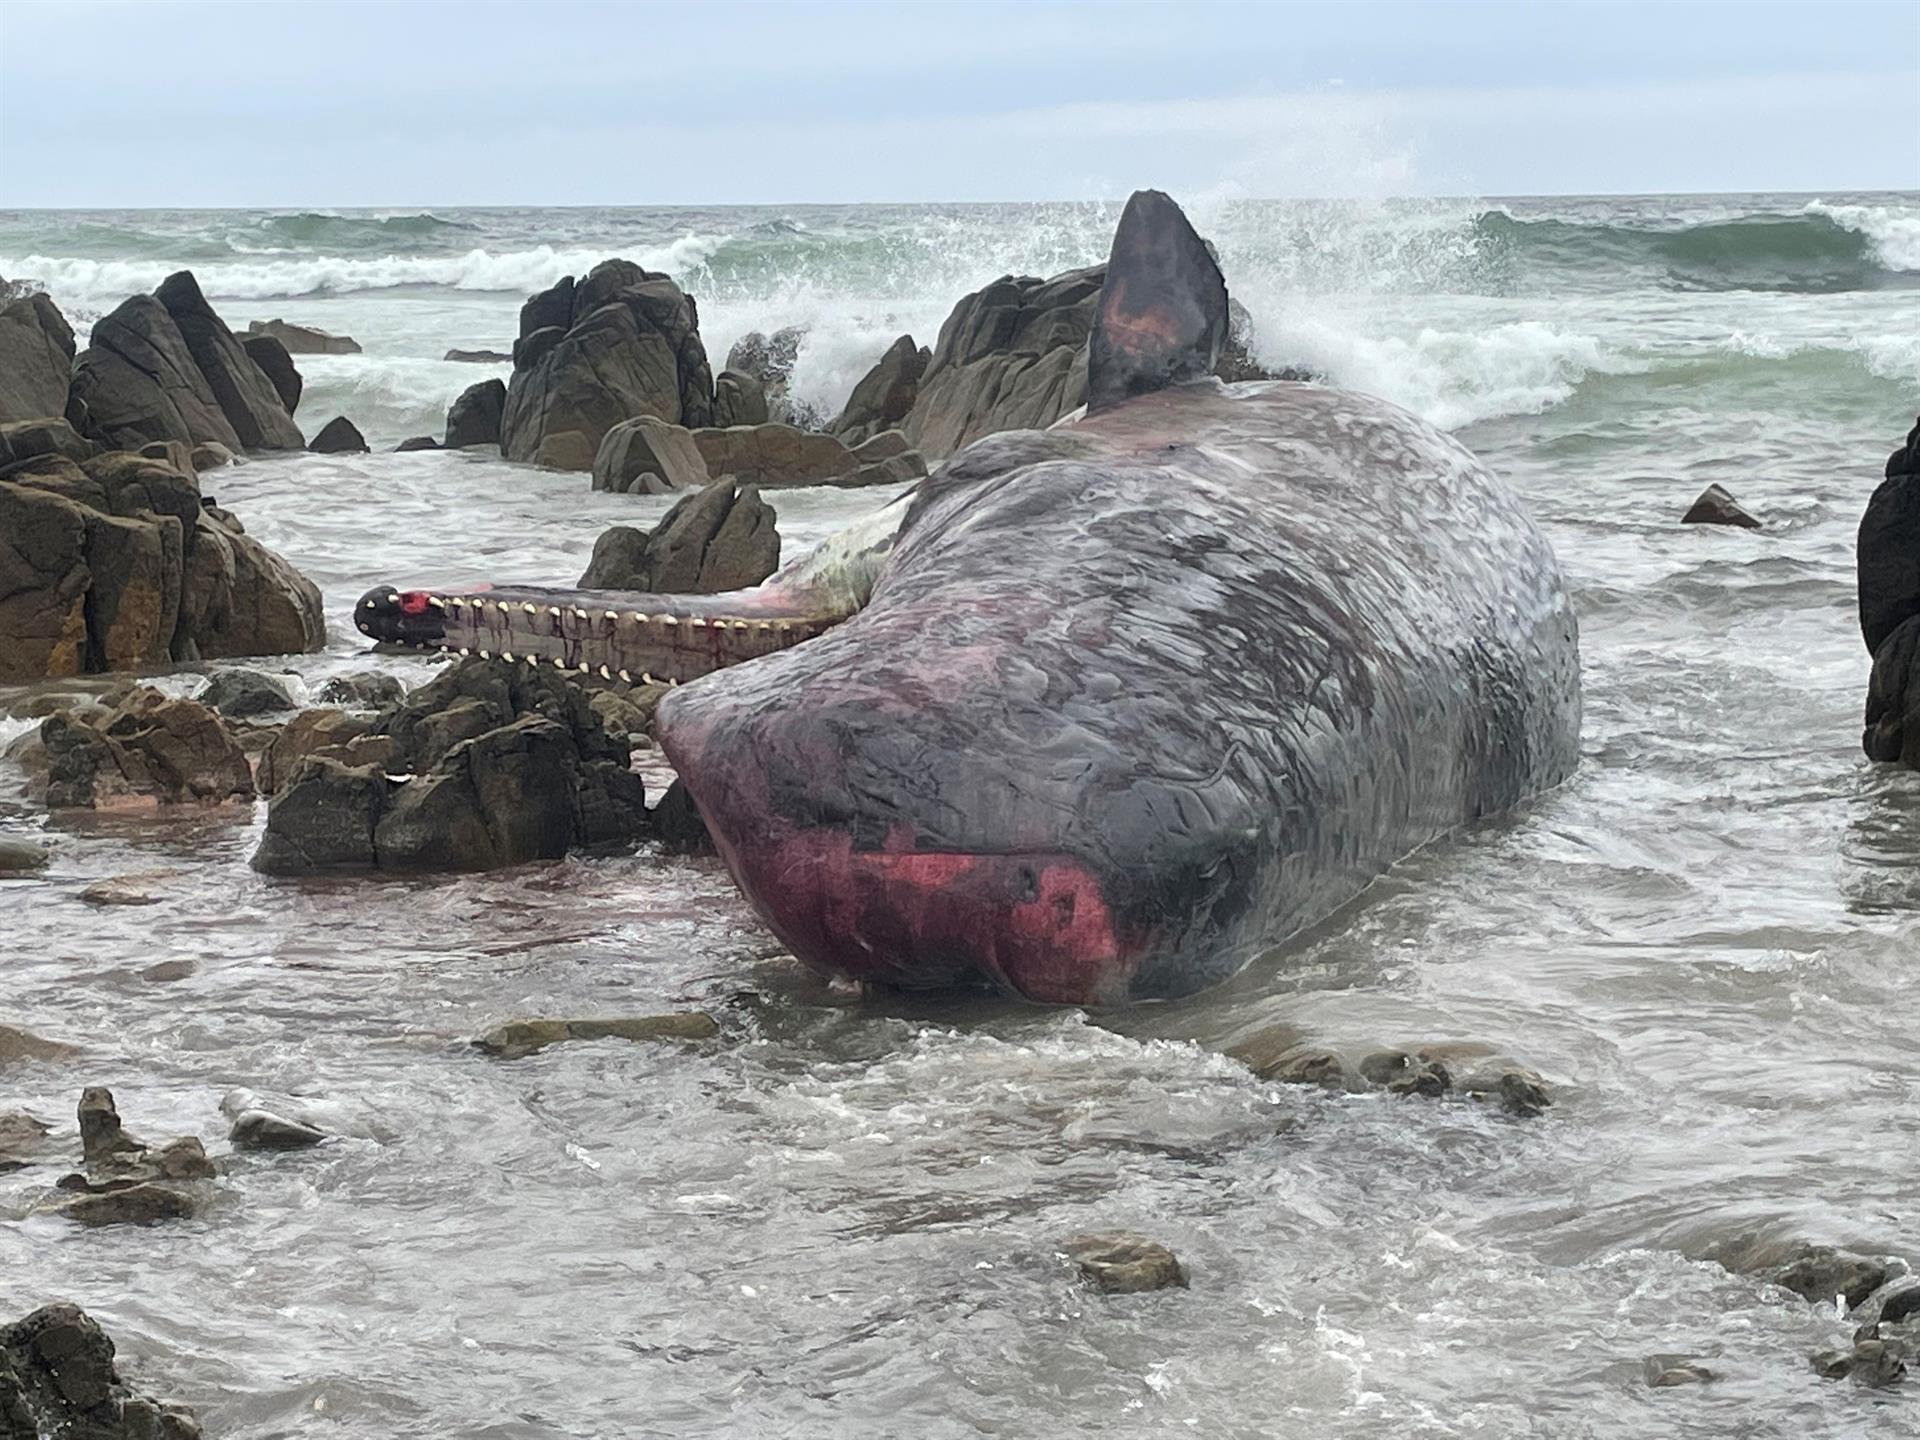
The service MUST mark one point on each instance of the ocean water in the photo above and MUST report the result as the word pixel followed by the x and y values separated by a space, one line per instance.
pixel 838 1219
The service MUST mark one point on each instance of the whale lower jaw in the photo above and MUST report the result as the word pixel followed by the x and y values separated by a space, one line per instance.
pixel 1034 925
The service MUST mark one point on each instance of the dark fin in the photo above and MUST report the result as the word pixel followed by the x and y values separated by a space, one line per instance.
pixel 1163 309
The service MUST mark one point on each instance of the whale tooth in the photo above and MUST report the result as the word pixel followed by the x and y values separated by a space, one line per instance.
pixel 585 668
pixel 698 622
pixel 578 613
pixel 436 602
pixel 646 676
pixel 369 604
pixel 605 674
pixel 485 656
pixel 626 677
pixel 530 608
pixel 554 611
pixel 558 663
pixel 635 617
pixel 465 651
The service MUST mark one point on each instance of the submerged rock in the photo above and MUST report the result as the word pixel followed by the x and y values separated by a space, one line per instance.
pixel 1465 1068
pixel 140 887
pixel 364 689
pixel 1665 1372
pixel 474 418
pixel 58 1381
pixel 517 1038
pixel 22 1139
pixel 1716 506
pixel 264 1130
pixel 21 857
pixel 17 1044
pixel 127 1181
pixel 243 694
pixel 339 436
pixel 416 442
pixel 304 339
pixel 1121 1263
pixel 478 357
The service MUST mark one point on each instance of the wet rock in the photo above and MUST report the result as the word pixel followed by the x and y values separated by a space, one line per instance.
pixel 139 887
pixel 631 346
pixel 507 764
pixel 24 440
pixel 138 382
pixel 17 1045
pixel 775 455
pixel 151 747
pixel 21 857
pixel 174 454
pixel 127 1181
pixel 246 396
pixel 719 538
pixel 36 354
pixel 240 598
pixel 768 360
pixel 364 689
pixel 276 363
pixel 474 418
pixel 478 357
pixel 678 824
pixel 141 1203
pixel 1665 1372
pixel 339 436
pixel 1120 1263
pixel 416 442
pixel 165 972
pixel 334 734
pixel 1716 506
pixel 1822 1273
pixel 1872 1362
pixel 304 339
pixel 58 1379
pixel 739 399
pixel 648 456
pixel 22 1139
pixel 209 456
pixel 885 394
pixel 242 694
pixel 628 713
pixel 517 1038
pixel 1011 356
pixel 264 1130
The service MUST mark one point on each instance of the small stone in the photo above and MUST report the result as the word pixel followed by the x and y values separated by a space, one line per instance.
pixel 166 971
pixel 1121 1263
pixel 264 1130
pixel 22 1139
pixel 1833 1364
pixel 416 442
pixel 21 857
pixel 1878 1364
pixel 365 689
pixel 518 1038
pixel 1823 1273
pixel 1716 506
pixel 140 887
pixel 1664 1372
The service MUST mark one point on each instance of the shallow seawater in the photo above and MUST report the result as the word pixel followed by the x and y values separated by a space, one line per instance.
pixel 838 1217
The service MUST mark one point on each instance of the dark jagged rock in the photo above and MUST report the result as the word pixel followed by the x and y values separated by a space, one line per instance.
pixel 138 382
pixel 1716 506
pixel 474 418
pixel 151 748
pixel 885 395
pixel 126 1180
pixel 339 436
pixel 739 399
pixel 416 442
pixel 304 339
pixel 241 598
pixel 1888 564
pixel 478 357
pixel 244 694
pixel 720 538
pixel 58 1381
pixel 246 396
pixel 648 456
pixel 366 689
pixel 36 358
pixel 277 365
pixel 631 347
pixel 508 763
pixel 23 440
pixel 334 734
pixel 678 824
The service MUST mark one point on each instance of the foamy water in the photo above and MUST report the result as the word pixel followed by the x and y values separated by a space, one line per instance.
pixel 838 1219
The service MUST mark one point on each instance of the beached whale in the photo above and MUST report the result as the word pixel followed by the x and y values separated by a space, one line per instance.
pixel 1103 712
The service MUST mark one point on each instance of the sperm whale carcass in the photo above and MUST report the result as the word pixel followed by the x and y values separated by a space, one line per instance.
pixel 1100 713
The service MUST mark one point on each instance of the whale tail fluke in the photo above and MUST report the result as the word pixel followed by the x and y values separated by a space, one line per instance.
pixel 1162 317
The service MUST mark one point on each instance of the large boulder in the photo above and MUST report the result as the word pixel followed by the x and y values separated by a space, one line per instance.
pixel 151 748
pixel 1011 356
pixel 739 399
pixel 630 346
pixel 884 396
pixel 247 397
pixel 1888 559
pixel 774 456
pixel 339 436
pixel 474 418
pixel 22 440
pixel 647 456
pixel 138 382
pixel 240 598
pixel 304 339
pixel 277 365
pixel 769 360
pixel 36 358
pixel 496 764
pixel 720 538
pixel 43 584
pixel 58 1378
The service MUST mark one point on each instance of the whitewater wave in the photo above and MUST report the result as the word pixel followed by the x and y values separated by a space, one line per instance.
pixel 92 287
pixel 1894 230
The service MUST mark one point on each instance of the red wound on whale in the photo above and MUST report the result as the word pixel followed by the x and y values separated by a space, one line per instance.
pixel 413 602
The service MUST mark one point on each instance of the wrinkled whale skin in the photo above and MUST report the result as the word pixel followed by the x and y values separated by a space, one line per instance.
pixel 1134 700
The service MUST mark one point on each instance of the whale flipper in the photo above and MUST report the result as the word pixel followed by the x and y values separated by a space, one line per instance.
pixel 1163 309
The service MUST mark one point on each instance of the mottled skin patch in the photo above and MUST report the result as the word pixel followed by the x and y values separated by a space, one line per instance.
pixel 1136 700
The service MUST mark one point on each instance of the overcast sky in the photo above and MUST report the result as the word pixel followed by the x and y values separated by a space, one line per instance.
pixel 523 102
